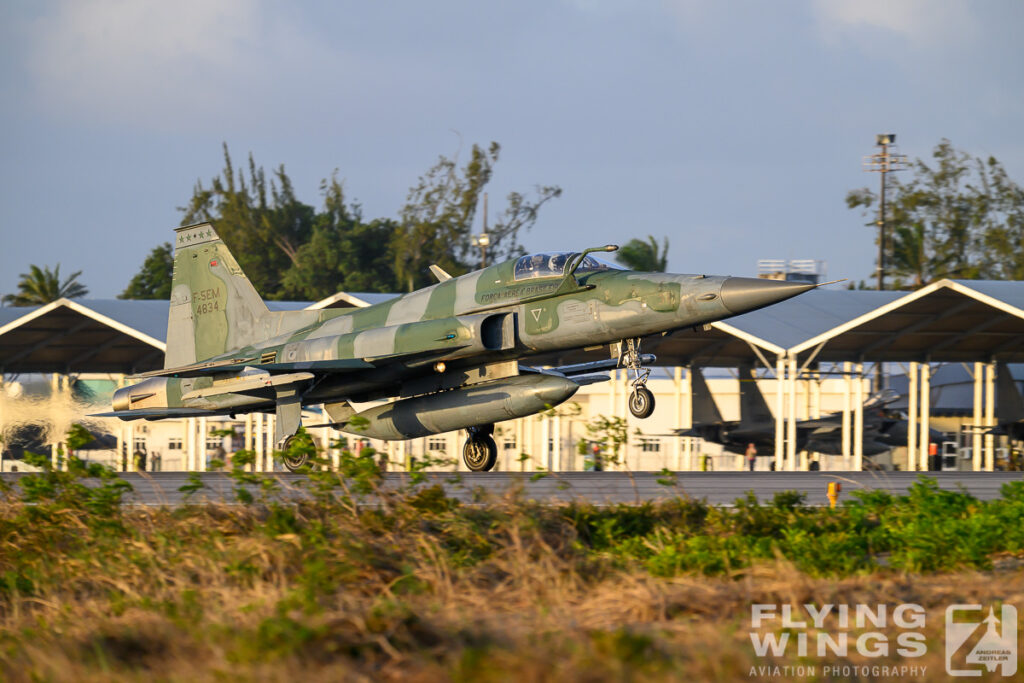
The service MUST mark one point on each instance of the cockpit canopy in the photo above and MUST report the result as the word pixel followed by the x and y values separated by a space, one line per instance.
pixel 552 264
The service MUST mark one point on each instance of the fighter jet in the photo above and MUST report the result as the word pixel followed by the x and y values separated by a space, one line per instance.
pixel 454 355
pixel 756 425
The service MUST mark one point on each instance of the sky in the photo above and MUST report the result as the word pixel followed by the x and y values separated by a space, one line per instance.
pixel 734 128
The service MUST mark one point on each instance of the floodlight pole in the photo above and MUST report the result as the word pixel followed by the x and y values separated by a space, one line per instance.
pixel 883 162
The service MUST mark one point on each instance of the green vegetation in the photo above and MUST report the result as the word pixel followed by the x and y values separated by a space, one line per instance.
pixel 961 217
pixel 291 250
pixel 41 286
pixel 649 256
pixel 153 281
pixel 352 575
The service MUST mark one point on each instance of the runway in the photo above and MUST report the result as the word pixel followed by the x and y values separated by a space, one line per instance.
pixel 600 488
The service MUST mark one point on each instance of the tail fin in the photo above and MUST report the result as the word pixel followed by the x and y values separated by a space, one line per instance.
pixel 704 409
pixel 214 307
pixel 753 408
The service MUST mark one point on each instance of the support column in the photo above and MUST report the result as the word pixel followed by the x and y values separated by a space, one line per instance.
pixel 791 418
pixel 912 415
pixel 623 408
pixel 688 416
pixel 556 455
pixel 545 435
pixel 816 396
pixel 976 440
pixel 190 454
pixel 260 443
pixel 520 446
pixel 202 444
pixel 611 392
pixel 847 390
pixel 54 392
pixel 677 442
pixel 990 416
pixel 130 460
pixel 247 440
pixel 815 403
pixel 858 419
pixel 268 452
pixel 779 412
pixel 926 413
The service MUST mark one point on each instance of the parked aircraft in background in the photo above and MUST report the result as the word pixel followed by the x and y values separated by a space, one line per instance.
pixel 450 353
pixel 756 425
pixel 1009 405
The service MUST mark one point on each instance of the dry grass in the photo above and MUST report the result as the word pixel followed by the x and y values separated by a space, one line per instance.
pixel 424 591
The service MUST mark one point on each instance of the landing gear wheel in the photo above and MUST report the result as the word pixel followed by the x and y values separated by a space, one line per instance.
pixel 292 460
pixel 641 402
pixel 480 453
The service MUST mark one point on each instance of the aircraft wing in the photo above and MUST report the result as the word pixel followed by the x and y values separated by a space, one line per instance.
pixel 338 365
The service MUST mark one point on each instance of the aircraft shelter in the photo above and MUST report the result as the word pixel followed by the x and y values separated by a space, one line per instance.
pixel 822 334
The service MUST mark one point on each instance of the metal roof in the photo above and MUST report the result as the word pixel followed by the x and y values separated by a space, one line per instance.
pixel 85 336
pixel 948 320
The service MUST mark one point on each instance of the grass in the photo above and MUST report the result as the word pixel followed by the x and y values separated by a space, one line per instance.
pixel 423 588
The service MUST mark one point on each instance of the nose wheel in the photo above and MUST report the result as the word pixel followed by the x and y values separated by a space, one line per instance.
pixel 641 400
pixel 480 453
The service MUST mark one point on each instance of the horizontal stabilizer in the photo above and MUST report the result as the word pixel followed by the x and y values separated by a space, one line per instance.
pixel 156 413
pixel 196 369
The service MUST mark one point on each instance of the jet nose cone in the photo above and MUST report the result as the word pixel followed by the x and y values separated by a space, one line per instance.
pixel 744 294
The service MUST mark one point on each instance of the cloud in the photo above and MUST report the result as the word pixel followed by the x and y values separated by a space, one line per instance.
pixel 924 23
pixel 126 60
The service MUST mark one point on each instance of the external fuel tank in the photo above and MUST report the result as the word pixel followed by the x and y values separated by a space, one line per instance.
pixel 470 406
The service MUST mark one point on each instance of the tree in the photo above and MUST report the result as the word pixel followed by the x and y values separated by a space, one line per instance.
pixel 435 225
pixel 263 223
pixel 343 253
pixel 41 286
pixel 153 281
pixel 644 256
pixel 960 217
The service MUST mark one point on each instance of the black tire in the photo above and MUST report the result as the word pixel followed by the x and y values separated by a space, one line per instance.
pixel 480 454
pixel 641 402
pixel 293 463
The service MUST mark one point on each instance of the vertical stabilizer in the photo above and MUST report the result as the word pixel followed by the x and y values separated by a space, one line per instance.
pixel 214 307
pixel 754 409
pixel 705 411
pixel 1009 403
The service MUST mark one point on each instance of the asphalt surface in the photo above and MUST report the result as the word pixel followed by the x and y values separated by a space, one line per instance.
pixel 601 488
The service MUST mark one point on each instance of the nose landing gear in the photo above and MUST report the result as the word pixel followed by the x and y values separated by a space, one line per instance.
pixel 480 453
pixel 641 400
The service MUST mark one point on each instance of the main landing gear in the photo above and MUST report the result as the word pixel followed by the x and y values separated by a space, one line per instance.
pixel 480 453
pixel 293 456
pixel 641 400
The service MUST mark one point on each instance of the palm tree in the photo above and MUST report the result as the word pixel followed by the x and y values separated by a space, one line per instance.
pixel 644 256
pixel 41 286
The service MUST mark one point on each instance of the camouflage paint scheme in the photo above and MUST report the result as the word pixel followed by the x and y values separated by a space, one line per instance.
pixel 227 353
